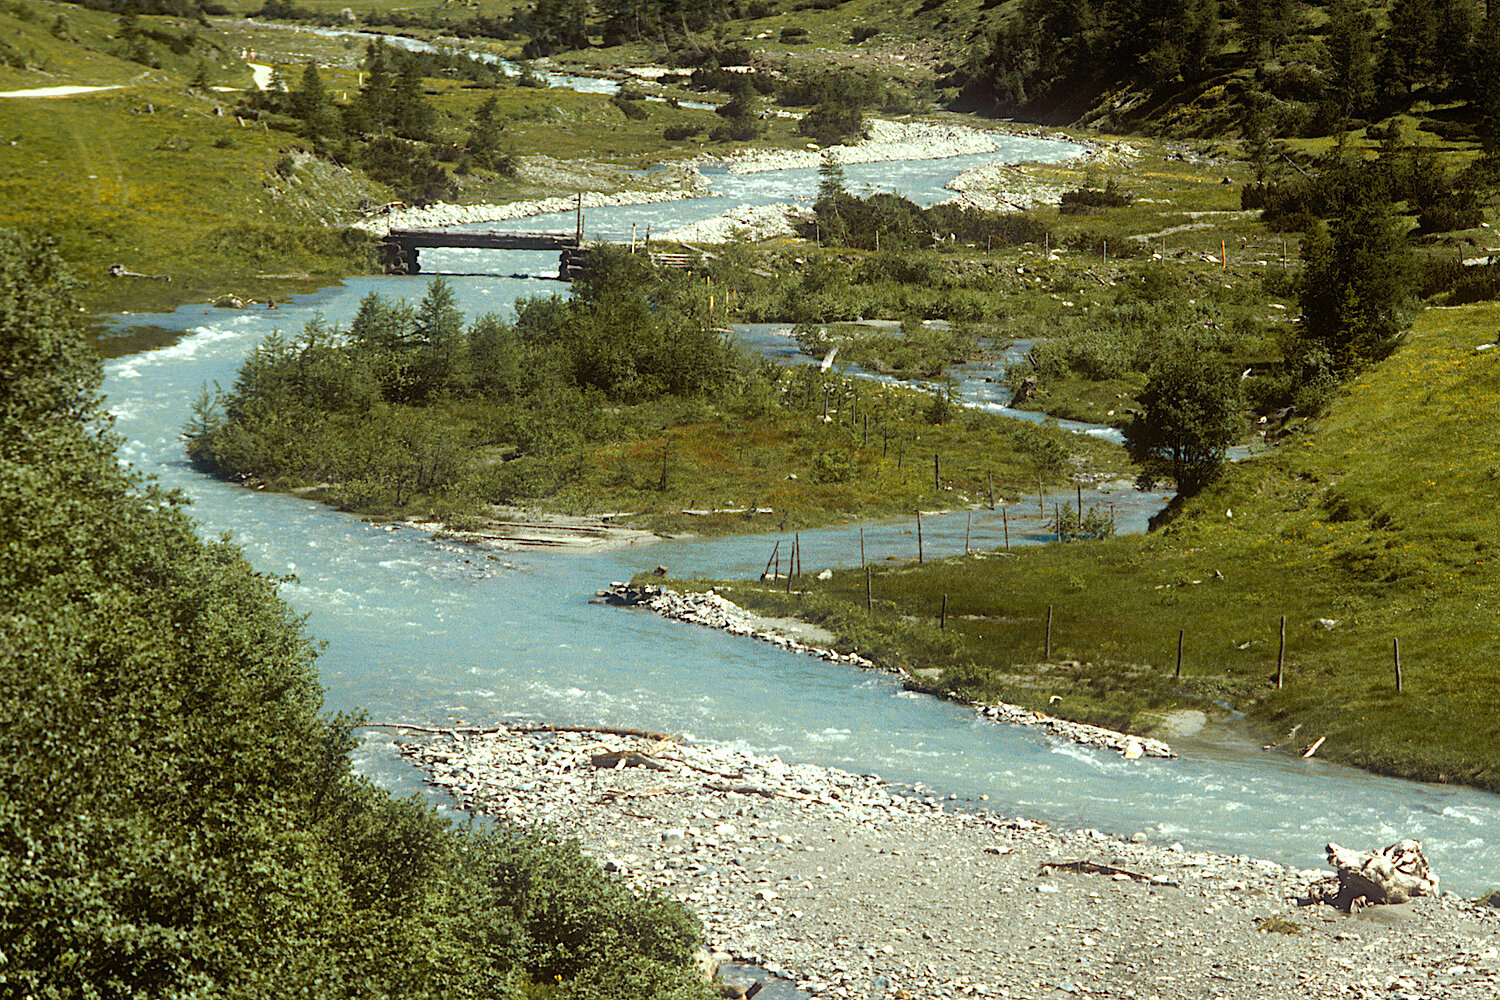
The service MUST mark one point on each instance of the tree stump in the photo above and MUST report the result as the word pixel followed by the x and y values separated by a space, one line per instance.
pixel 1393 875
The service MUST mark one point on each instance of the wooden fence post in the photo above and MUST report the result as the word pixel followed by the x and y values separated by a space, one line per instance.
pixel 1396 652
pixel 967 528
pixel 862 545
pixel 774 552
pixel 990 477
pixel 1047 648
pixel 919 536
pixel 1281 654
pixel 1005 523
pixel 943 614
pixel 869 599
pixel 936 469
pixel 1178 675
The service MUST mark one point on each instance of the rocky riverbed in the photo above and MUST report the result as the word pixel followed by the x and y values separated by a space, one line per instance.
pixel 673 182
pixel 885 140
pixel 849 887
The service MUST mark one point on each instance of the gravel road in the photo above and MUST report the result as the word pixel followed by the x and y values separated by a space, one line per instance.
pixel 851 888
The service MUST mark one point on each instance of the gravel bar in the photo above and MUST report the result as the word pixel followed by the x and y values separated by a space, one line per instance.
pixel 851 888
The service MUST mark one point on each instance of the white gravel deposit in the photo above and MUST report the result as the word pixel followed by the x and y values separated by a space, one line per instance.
pixel 442 214
pixel 851 888
pixel 887 140
pixel 751 222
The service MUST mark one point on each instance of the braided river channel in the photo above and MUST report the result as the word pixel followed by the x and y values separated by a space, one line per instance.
pixel 433 633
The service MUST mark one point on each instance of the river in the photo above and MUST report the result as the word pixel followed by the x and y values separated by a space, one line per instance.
pixel 436 634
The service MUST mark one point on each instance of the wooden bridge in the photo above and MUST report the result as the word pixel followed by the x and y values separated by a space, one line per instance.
pixel 398 251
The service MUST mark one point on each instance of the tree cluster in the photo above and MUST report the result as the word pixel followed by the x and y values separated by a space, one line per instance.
pixel 1324 69
pixel 177 815
pixel 368 410
pixel 1048 49
pixel 891 222
pixel 389 128
pixel 1293 199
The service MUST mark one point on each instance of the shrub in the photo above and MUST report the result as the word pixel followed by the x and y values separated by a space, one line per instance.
pixel 737 130
pixel 833 467
pixel 1476 284
pixel 676 133
pixel 408 168
pixel 635 109
pixel 1083 198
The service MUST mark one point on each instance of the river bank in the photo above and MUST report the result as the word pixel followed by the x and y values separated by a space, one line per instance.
pixel 885 140
pixel 713 610
pixel 849 887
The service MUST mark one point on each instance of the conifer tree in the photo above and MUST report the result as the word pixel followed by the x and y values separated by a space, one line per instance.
pixel 411 114
pixel 320 119
pixel 1352 84
pixel 1356 281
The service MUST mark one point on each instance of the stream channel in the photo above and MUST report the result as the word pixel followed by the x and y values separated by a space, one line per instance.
pixel 433 633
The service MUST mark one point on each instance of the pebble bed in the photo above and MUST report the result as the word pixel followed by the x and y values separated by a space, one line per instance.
pixel 886 140
pixel 686 183
pixel 850 888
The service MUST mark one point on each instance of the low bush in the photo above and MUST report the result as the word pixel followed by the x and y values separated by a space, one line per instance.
pixel 1079 199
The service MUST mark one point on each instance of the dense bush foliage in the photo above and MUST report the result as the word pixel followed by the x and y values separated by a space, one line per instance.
pixel 1338 179
pixel 890 222
pixel 1191 412
pixel 1152 316
pixel 356 409
pixel 1079 199
pixel 177 817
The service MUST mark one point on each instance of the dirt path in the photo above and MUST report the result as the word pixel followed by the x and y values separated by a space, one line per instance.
pixel 58 91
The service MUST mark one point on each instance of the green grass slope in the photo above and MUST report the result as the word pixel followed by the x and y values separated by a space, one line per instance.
pixel 1380 527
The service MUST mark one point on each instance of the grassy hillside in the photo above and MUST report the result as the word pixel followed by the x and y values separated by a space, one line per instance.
pixel 169 174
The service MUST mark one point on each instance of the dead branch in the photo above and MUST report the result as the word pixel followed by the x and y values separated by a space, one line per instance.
pixel 1094 868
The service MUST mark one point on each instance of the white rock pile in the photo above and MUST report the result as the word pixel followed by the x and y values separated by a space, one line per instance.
pixel 887 140
pixel 716 611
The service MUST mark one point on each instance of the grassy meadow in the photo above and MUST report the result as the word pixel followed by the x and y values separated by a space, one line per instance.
pixel 1382 526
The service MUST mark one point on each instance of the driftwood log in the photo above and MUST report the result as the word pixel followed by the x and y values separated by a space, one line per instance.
pixel 1094 868
pixel 1395 874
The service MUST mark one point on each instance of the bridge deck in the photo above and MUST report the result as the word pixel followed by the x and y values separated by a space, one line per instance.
pixel 480 239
